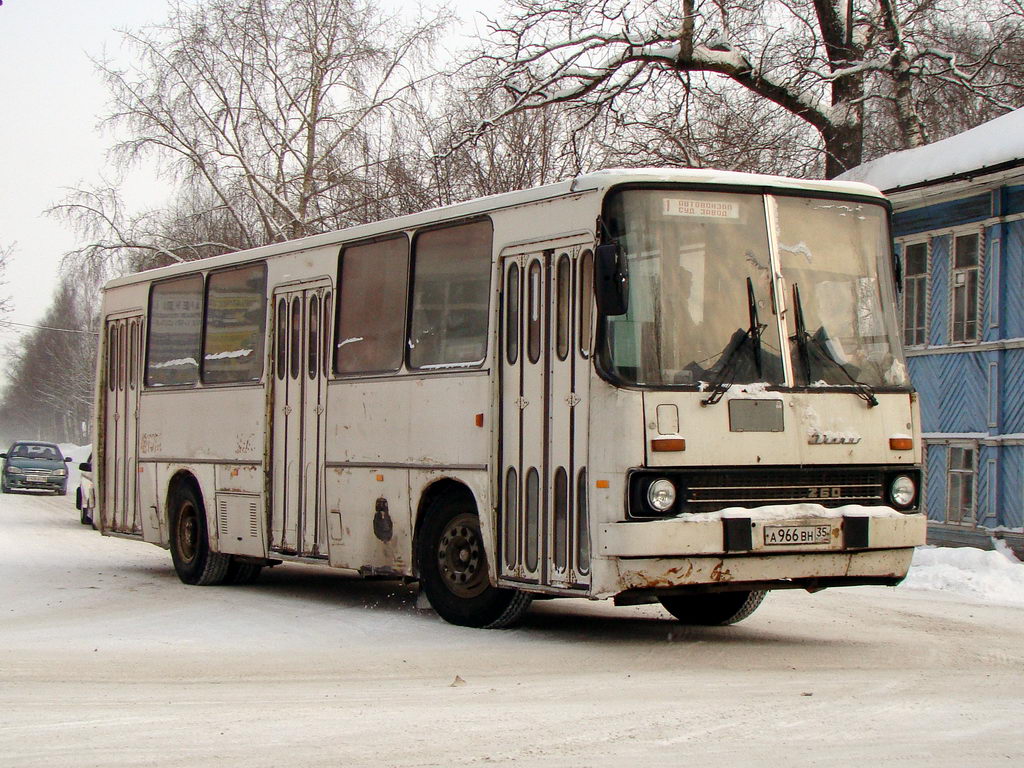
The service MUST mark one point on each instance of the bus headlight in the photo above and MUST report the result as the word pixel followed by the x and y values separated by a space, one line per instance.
pixel 902 491
pixel 661 495
pixel 15 471
pixel 60 472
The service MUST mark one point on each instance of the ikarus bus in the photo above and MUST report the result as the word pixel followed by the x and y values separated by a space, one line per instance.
pixel 674 386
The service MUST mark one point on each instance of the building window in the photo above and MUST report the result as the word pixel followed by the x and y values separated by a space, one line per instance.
pixel 960 496
pixel 966 258
pixel 915 294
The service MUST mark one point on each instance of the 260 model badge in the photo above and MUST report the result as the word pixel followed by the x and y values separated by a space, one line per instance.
pixel 824 493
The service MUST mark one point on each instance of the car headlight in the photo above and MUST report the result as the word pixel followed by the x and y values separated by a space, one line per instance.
pixel 661 495
pixel 902 491
pixel 60 472
pixel 15 471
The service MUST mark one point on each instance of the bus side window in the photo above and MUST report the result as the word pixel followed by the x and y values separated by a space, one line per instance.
pixel 450 296
pixel 133 353
pixel 282 338
pixel 372 298
pixel 564 277
pixel 313 332
pixel 586 301
pixel 325 353
pixel 236 318
pixel 296 338
pixel 534 297
pixel 175 331
pixel 512 315
pixel 111 357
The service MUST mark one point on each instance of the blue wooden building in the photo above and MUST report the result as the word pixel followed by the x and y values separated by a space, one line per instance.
pixel 958 226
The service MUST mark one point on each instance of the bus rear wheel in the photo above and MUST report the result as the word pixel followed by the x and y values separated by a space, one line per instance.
pixel 716 609
pixel 194 561
pixel 454 575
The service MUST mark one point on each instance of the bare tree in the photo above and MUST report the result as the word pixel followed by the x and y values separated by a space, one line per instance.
pixel 6 252
pixel 820 61
pixel 51 372
pixel 269 116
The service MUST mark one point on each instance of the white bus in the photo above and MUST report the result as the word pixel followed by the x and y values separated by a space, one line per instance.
pixel 682 386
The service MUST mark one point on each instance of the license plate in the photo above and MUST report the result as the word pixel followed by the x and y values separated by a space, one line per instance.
pixel 32 479
pixel 790 535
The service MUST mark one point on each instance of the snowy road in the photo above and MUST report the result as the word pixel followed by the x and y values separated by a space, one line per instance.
pixel 106 659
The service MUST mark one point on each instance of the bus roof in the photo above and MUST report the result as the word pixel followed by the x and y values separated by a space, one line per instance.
pixel 590 182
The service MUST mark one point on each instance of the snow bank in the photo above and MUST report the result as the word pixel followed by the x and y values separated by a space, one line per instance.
pixel 994 576
pixel 997 141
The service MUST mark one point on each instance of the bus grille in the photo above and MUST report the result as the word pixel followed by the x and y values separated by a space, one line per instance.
pixel 831 487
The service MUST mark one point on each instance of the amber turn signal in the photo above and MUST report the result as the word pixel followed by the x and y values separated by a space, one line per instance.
pixel 663 444
pixel 901 444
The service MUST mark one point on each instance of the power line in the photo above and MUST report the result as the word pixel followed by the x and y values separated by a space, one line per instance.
pixel 48 328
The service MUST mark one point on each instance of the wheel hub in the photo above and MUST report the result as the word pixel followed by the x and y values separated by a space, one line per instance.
pixel 460 557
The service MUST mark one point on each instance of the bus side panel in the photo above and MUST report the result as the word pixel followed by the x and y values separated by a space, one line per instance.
pixel 616 444
pixel 151 504
pixel 224 424
pixel 427 422
pixel 369 519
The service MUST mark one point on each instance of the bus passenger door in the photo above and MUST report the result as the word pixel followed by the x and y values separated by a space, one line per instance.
pixel 298 513
pixel 120 459
pixel 544 396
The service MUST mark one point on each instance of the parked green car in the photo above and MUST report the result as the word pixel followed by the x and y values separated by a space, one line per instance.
pixel 36 466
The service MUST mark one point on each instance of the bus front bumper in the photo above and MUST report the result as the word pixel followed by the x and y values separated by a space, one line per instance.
pixel 764 549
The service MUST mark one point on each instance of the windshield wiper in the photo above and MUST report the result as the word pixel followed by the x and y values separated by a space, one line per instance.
pixel 727 372
pixel 802 337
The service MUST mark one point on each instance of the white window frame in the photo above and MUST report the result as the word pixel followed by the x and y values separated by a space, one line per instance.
pixel 956 477
pixel 924 278
pixel 956 272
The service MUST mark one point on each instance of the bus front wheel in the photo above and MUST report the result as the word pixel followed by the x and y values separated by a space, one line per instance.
pixel 453 571
pixel 716 609
pixel 194 561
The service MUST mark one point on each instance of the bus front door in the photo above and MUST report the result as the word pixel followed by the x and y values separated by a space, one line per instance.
pixel 302 324
pixel 544 531
pixel 120 513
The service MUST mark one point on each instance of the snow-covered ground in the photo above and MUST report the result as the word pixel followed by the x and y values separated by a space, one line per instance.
pixel 106 659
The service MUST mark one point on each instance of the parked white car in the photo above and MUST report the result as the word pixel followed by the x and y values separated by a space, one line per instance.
pixel 85 496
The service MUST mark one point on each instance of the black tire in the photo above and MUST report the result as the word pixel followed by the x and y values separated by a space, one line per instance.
pixel 4 488
pixel 241 572
pixel 716 609
pixel 194 561
pixel 453 570
pixel 61 491
pixel 85 516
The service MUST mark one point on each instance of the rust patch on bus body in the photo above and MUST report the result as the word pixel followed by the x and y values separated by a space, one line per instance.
pixel 670 577
pixel 720 573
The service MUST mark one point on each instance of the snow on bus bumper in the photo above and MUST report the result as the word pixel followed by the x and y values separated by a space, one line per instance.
pixel 766 544
pixel 764 530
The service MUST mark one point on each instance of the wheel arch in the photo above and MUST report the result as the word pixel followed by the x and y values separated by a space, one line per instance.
pixel 185 477
pixel 444 488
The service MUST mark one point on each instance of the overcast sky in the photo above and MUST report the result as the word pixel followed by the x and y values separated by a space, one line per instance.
pixel 51 101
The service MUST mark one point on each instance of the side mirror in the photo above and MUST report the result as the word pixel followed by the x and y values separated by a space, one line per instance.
pixel 611 282
pixel 3 455
pixel 85 466
pixel 67 458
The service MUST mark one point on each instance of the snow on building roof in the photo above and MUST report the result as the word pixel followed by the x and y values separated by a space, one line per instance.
pixel 995 143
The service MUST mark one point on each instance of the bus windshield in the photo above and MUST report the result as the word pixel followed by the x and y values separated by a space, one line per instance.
pixel 705 291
